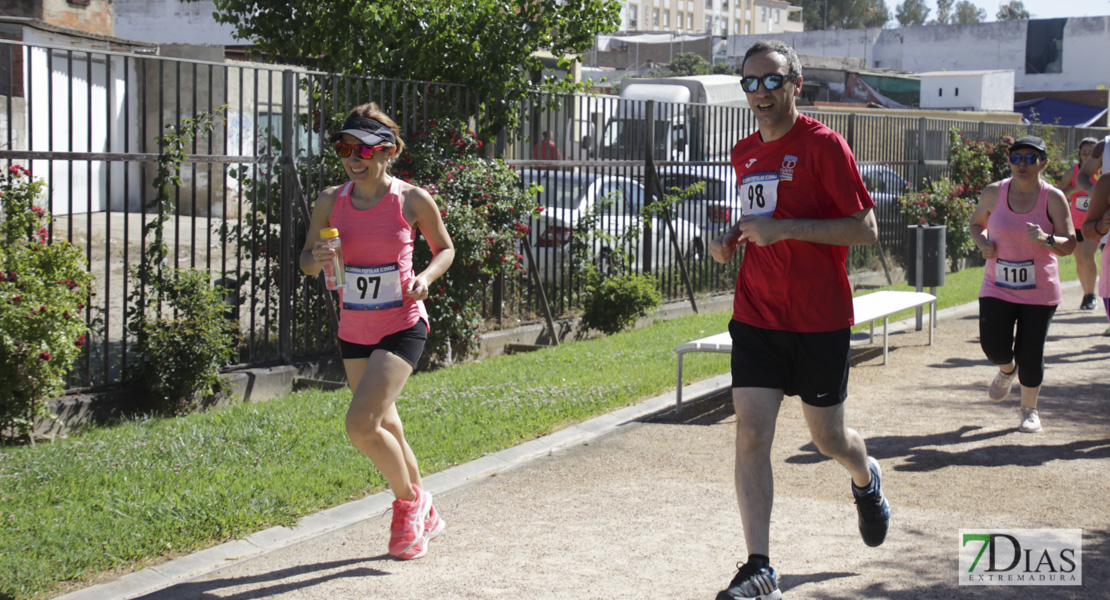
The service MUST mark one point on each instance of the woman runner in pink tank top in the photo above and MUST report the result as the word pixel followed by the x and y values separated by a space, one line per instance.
pixel 382 334
pixel 1020 225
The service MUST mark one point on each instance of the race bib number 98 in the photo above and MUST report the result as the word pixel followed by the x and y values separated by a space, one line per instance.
pixel 1015 275
pixel 759 194
pixel 372 288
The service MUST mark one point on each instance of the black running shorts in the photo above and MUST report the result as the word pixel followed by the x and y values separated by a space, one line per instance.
pixel 811 365
pixel 407 344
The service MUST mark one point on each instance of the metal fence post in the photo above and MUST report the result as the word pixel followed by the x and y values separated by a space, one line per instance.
pixel 288 222
pixel 649 151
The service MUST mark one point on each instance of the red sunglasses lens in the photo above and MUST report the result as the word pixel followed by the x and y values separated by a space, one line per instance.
pixel 364 152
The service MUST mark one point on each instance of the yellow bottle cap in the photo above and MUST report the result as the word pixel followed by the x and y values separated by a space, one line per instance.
pixel 329 232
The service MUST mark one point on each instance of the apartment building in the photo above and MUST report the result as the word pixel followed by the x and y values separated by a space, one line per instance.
pixel 713 17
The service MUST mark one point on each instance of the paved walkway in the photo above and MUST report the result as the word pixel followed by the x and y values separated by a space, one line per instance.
pixel 640 503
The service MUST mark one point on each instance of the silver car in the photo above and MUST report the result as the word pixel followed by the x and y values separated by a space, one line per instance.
pixel 715 208
pixel 566 197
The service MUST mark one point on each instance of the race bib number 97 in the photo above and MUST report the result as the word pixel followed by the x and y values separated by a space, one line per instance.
pixel 372 288
pixel 759 194
pixel 1015 275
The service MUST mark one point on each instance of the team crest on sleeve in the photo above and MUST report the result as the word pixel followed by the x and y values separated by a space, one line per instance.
pixel 786 173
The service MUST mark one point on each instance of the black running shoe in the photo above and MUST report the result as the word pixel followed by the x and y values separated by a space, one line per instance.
pixel 874 510
pixel 1088 302
pixel 752 583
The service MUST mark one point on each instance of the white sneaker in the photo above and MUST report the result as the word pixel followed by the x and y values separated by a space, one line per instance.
pixel 1000 387
pixel 1030 420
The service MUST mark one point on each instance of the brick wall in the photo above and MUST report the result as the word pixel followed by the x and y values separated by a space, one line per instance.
pixel 91 16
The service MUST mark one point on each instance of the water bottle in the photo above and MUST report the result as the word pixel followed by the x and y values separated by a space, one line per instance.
pixel 334 276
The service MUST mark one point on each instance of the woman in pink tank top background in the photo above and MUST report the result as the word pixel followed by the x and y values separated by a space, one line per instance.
pixel 1085 264
pixel 1021 225
pixel 1097 223
pixel 382 321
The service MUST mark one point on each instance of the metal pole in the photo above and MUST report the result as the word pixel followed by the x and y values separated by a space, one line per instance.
pixel 919 274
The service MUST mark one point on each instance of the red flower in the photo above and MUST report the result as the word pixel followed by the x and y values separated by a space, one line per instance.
pixel 45 356
pixel 80 342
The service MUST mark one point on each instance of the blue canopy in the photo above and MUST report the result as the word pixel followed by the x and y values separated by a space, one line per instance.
pixel 1052 111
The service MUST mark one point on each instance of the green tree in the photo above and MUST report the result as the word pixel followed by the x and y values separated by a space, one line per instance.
pixel 488 45
pixel 843 14
pixel 1013 11
pixel 911 13
pixel 688 63
pixel 944 12
pixel 966 13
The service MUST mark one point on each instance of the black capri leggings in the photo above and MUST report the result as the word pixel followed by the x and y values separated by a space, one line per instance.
pixel 997 319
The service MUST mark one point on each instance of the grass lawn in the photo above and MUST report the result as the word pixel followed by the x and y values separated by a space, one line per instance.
pixel 124 496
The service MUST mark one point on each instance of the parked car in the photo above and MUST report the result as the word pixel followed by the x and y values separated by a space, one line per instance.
pixel 716 207
pixel 567 196
pixel 885 186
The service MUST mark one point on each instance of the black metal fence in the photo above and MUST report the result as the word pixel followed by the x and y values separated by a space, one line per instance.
pixel 88 123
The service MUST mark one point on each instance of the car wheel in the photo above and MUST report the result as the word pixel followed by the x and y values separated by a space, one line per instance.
pixel 606 265
pixel 695 251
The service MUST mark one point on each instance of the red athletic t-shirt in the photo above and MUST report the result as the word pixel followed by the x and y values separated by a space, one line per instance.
pixel 809 173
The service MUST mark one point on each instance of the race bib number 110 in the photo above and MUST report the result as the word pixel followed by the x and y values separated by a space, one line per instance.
pixel 1015 275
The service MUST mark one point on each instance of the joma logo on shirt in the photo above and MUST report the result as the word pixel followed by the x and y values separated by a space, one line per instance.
pixel 786 173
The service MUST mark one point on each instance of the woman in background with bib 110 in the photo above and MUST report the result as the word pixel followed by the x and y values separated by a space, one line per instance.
pixel 1021 225
pixel 382 321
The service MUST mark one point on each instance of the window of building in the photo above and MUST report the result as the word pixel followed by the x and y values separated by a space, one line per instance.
pixel 724 26
pixel 736 27
pixel 679 20
pixel 632 16
pixel 709 3
pixel 777 11
pixel 709 24
pixel 747 28
pixel 763 14
pixel 666 18
pixel 724 4
pixel 690 21
pixel 1044 46
pixel 940 92
pixel 655 17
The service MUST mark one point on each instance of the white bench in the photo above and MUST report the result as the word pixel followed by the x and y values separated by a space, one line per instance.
pixel 867 308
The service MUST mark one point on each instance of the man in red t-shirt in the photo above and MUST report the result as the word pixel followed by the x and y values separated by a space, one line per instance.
pixel 803 204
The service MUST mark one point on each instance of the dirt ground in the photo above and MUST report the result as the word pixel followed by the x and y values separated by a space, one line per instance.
pixel 649 511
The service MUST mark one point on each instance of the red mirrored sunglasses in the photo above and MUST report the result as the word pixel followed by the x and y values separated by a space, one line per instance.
pixel 362 150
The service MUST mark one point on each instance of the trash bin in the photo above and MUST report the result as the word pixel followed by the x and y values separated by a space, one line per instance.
pixel 933 257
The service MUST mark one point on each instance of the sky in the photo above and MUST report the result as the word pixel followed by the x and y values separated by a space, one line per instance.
pixel 1040 9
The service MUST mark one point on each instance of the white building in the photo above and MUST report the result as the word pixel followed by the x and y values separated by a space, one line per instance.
pixel 968 90
pixel 714 17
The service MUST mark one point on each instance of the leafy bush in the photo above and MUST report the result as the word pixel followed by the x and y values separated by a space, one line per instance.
pixel 943 203
pixel 486 213
pixel 181 356
pixel 44 287
pixel 612 304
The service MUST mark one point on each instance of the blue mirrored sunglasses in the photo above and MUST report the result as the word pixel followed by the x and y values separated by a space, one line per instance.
pixel 1030 159
pixel 750 83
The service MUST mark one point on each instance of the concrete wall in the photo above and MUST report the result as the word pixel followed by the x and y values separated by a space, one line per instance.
pixel 981 90
pixel 170 22
pixel 95 17
pixel 981 46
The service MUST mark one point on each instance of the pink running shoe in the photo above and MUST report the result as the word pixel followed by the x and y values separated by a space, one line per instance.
pixel 406 533
pixel 434 524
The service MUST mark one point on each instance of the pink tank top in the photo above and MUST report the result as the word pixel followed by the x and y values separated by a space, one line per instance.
pixel 1023 271
pixel 377 253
